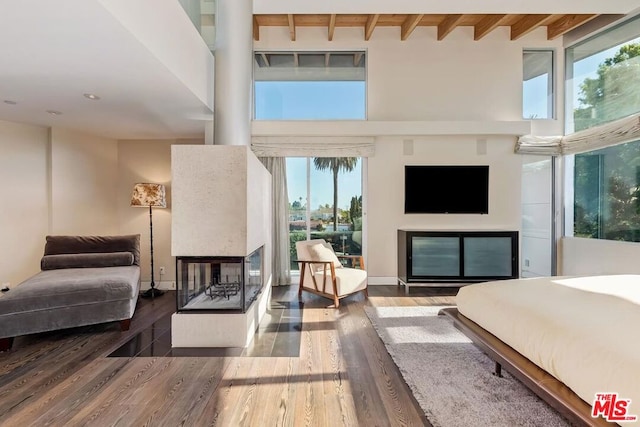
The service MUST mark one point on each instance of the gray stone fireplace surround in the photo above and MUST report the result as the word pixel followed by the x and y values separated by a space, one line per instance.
pixel 221 208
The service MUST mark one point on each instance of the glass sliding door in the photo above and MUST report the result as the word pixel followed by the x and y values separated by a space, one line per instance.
pixel 325 202
pixel 325 193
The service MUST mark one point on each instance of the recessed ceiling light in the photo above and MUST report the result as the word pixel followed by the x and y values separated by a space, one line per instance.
pixel 10 102
pixel 91 96
pixel 54 112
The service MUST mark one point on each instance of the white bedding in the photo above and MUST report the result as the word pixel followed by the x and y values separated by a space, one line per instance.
pixel 585 331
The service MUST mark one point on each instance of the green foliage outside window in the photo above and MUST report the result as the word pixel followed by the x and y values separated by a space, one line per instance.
pixel 614 93
pixel 607 193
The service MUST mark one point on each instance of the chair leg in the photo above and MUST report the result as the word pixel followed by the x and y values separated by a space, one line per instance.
pixel 366 292
pixel 6 343
pixel 125 324
pixel 302 268
pixel 336 301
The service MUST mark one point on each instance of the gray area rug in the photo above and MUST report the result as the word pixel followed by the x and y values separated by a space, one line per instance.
pixel 450 377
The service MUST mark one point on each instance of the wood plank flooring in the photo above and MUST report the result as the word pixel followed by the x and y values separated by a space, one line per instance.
pixel 341 376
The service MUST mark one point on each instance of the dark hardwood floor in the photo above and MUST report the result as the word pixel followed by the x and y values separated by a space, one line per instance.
pixel 308 365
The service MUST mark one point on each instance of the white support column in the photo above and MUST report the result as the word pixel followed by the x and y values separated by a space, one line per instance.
pixel 208 133
pixel 233 67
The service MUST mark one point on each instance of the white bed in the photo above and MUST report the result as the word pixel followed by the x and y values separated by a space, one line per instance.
pixel 584 331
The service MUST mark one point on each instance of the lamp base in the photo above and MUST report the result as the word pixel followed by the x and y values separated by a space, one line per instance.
pixel 151 293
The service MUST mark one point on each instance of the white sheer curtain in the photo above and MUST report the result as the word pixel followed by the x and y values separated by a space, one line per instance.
pixel 281 267
pixel 617 132
pixel 313 146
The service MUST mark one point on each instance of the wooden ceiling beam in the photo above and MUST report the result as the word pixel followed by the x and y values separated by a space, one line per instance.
pixel 448 24
pixel 565 24
pixel 370 26
pixel 332 26
pixel 527 24
pixel 486 25
pixel 409 25
pixel 256 29
pixel 292 27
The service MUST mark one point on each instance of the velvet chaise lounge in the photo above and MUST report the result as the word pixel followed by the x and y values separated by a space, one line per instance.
pixel 84 280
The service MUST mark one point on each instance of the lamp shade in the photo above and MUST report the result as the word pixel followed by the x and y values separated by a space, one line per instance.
pixel 146 194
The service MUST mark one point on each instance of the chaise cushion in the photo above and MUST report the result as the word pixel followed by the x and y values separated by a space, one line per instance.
pixel 90 260
pixel 57 245
pixel 320 252
pixel 52 289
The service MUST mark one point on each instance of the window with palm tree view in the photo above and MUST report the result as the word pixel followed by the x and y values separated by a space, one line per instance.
pixel 603 86
pixel 325 193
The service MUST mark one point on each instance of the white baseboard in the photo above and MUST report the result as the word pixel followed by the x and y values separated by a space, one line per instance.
pixel 381 280
pixel 165 285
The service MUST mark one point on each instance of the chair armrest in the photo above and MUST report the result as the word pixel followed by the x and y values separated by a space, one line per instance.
pixel 353 258
pixel 311 262
pixel 326 265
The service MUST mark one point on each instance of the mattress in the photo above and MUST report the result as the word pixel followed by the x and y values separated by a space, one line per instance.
pixel 584 331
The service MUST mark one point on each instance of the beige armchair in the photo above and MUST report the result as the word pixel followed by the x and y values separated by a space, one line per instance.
pixel 322 273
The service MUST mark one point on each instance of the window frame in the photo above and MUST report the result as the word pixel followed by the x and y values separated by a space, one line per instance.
pixel 552 87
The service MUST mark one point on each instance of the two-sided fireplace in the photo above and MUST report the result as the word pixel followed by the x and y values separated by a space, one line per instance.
pixel 219 283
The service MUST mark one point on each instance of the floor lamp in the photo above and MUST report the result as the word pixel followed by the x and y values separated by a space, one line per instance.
pixel 152 196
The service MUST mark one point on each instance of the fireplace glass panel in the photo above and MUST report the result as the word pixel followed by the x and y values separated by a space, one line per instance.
pixel 218 283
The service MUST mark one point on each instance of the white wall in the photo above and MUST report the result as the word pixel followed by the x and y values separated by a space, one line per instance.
pixel 385 183
pixel 52 181
pixel 422 79
pixel 172 38
pixel 580 256
pixel 535 240
pixel 425 79
pixel 24 189
pixel 84 177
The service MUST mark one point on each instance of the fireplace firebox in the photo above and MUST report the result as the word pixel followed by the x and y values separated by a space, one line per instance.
pixel 218 283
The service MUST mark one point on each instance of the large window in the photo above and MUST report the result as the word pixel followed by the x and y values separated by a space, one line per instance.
pixel 603 186
pixel 603 81
pixel 309 85
pixel 537 84
pixel 607 193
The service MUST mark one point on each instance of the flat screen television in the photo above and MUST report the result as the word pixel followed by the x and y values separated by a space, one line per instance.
pixel 446 189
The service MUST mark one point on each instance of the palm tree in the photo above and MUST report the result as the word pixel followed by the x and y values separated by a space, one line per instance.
pixel 335 165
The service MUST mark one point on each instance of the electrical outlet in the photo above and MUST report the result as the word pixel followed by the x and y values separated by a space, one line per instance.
pixel 161 270
pixel 173 285
pixel 526 263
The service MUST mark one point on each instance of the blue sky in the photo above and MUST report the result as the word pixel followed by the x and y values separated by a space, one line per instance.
pixel 315 100
pixel 337 100
pixel 349 185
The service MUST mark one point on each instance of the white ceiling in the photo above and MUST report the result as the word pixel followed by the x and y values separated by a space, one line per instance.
pixel 53 52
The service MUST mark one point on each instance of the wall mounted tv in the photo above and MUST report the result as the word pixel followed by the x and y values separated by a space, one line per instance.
pixel 446 189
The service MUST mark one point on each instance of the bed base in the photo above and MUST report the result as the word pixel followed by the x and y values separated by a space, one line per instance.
pixel 547 387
